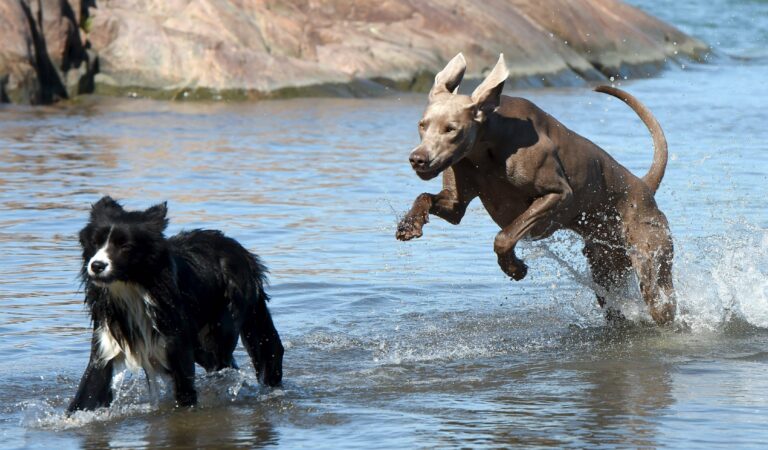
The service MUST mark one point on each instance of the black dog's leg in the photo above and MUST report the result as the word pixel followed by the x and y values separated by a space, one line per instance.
pixel 224 335
pixel 261 340
pixel 182 362
pixel 95 389
pixel 217 344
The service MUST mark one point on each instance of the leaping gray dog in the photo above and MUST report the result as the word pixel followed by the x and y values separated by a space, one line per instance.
pixel 535 176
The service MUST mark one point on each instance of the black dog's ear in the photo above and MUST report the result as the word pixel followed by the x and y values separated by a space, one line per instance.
pixel 448 79
pixel 487 96
pixel 105 207
pixel 155 215
pixel 82 236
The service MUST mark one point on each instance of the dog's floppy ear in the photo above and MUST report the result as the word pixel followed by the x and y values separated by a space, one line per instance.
pixel 155 216
pixel 448 79
pixel 487 96
pixel 105 207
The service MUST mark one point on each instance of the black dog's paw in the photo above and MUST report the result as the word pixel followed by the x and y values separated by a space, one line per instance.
pixel 270 369
pixel 186 399
pixel 270 375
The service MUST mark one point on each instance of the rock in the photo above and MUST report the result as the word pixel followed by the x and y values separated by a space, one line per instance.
pixel 57 21
pixel 19 82
pixel 287 46
pixel 613 37
pixel 43 58
pixel 197 45
pixel 257 48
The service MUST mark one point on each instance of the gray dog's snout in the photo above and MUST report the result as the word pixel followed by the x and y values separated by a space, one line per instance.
pixel 98 266
pixel 418 159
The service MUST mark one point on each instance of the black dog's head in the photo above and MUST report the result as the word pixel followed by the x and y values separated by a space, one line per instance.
pixel 120 245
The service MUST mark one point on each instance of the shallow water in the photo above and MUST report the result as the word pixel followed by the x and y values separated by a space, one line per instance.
pixel 418 344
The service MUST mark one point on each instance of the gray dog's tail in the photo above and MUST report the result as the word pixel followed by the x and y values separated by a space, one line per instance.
pixel 660 155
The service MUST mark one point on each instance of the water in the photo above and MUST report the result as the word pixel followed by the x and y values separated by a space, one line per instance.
pixel 390 344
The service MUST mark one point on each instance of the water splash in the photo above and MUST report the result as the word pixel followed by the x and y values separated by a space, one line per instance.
pixel 134 397
pixel 719 279
pixel 725 278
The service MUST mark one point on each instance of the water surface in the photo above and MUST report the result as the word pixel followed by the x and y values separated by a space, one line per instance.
pixel 418 344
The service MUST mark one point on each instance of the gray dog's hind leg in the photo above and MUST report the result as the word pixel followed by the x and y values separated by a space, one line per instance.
pixel 608 264
pixel 651 254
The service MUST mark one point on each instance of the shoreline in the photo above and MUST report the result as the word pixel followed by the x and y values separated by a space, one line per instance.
pixel 379 87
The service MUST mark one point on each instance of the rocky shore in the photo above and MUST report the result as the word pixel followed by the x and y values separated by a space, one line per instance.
pixel 200 49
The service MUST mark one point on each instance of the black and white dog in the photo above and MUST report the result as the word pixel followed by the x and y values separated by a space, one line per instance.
pixel 163 304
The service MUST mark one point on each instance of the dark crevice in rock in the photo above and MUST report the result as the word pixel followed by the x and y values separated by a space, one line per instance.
pixel 51 87
pixel 83 13
pixel 74 52
pixel 4 89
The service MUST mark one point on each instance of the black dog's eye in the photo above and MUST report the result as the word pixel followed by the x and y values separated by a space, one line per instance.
pixel 121 243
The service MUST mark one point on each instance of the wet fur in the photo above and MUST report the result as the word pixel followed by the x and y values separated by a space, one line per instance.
pixel 535 176
pixel 163 305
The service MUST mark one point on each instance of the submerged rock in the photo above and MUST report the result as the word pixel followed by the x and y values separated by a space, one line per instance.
pixel 258 48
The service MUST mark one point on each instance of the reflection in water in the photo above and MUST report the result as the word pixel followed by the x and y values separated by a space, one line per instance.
pixel 187 429
pixel 41 148
pixel 626 401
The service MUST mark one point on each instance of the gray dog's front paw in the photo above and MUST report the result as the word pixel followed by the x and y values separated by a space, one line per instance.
pixel 513 267
pixel 409 228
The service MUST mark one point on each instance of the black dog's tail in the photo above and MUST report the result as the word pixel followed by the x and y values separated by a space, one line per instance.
pixel 660 154
pixel 259 276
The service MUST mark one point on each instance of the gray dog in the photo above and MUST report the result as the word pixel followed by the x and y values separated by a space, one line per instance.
pixel 535 176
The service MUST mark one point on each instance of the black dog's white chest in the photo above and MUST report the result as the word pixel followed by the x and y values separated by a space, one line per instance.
pixel 130 333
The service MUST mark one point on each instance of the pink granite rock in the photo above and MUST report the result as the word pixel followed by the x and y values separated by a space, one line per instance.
pixel 257 48
pixel 19 82
pixel 266 46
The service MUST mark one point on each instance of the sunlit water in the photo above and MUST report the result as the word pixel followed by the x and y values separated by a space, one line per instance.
pixel 390 344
